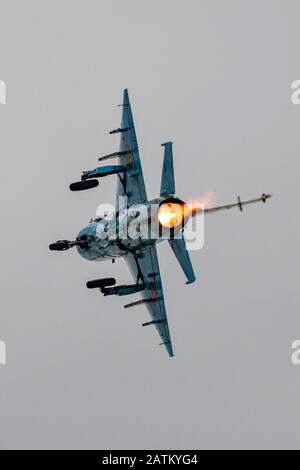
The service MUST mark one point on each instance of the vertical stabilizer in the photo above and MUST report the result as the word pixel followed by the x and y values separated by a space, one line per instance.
pixel 167 187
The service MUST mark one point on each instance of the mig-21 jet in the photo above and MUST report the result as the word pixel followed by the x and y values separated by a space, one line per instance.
pixel 150 221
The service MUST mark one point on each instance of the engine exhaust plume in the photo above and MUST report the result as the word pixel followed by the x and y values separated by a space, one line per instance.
pixel 196 206
pixel 170 214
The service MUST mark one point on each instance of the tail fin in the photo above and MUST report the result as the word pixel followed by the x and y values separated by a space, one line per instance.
pixel 183 257
pixel 167 187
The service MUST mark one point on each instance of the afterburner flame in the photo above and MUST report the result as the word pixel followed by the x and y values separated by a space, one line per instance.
pixel 196 206
pixel 170 214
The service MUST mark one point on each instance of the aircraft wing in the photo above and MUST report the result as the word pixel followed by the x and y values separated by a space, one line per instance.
pixel 129 158
pixel 153 296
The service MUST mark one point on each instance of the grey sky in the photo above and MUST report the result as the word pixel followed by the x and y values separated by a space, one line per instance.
pixel 215 77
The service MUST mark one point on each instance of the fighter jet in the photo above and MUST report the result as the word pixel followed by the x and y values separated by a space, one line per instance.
pixel 108 237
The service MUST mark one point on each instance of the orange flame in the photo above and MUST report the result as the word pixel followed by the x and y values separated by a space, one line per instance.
pixel 205 202
pixel 170 214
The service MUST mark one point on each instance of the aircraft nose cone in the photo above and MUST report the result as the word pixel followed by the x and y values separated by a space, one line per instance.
pixel 88 232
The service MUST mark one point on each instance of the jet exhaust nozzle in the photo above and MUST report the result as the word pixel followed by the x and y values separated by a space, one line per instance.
pixel 171 213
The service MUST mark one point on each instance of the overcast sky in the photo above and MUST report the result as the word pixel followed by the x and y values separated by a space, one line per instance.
pixel 214 77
